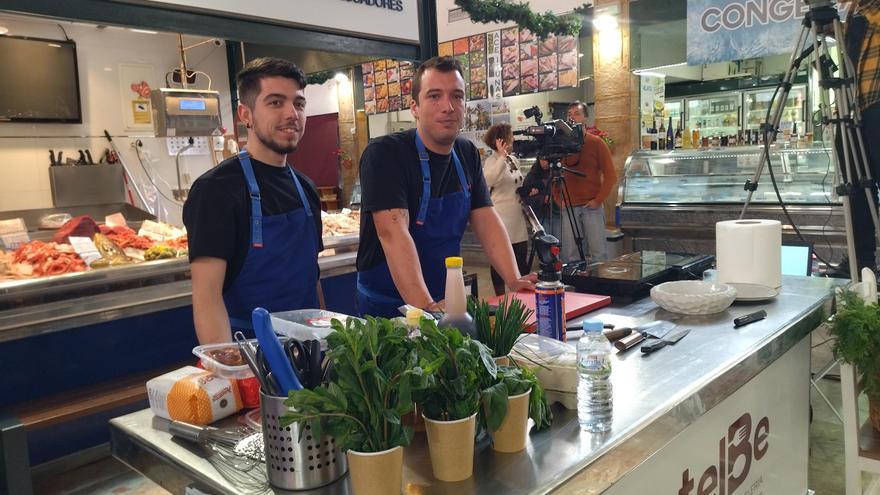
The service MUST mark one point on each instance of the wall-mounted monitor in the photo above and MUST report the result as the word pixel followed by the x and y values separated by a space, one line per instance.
pixel 38 81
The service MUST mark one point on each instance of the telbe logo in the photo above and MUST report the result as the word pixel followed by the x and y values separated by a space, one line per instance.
pixel 735 453
pixel 749 13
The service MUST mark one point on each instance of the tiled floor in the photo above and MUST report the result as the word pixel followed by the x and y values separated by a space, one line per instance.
pixel 826 474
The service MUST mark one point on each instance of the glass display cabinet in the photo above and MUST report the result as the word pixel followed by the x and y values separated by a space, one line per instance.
pixel 671 200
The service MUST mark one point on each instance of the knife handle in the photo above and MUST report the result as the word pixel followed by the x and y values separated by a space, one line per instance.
pixel 629 341
pixel 617 333
pixel 749 318
pixel 653 345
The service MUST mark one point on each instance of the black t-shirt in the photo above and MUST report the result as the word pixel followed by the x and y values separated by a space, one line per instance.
pixel 391 177
pixel 217 211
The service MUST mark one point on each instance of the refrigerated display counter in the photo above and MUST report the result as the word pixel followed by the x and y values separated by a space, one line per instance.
pixel 37 306
pixel 671 200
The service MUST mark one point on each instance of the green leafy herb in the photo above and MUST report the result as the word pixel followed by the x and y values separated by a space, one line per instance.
pixel 376 372
pixel 857 328
pixel 502 334
pixel 539 409
pixel 457 370
pixel 512 381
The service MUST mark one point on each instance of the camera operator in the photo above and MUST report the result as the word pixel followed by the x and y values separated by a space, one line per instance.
pixel 587 193
pixel 863 47
pixel 535 192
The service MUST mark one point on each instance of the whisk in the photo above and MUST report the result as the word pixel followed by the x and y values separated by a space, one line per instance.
pixel 235 452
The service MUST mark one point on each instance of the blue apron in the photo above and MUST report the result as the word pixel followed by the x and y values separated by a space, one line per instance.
pixel 280 271
pixel 437 234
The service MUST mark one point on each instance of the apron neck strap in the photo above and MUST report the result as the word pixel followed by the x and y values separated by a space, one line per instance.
pixel 424 163
pixel 256 204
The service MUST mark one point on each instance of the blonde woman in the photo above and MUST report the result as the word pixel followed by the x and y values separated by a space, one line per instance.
pixel 504 178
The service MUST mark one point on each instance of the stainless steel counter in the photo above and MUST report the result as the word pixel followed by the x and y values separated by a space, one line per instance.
pixel 655 398
pixel 51 304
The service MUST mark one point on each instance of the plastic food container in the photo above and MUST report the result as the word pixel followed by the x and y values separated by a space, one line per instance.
pixel 306 324
pixel 224 360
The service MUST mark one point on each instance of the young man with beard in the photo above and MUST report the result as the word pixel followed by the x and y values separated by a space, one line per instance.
pixel 254 223
pixel 420 189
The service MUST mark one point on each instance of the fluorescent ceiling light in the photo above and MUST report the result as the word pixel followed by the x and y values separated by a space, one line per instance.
pixel 143 31
pixel 648 70
pixel 4 29
pixel 340 78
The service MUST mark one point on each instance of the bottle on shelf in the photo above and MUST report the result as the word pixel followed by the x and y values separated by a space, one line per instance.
pixel 670 137
pixel 793 139
pixel 695 136
pixel 686 142
pixel 594 397
pixel 653 132
pixel 661 136
pixel 679 140
pixel 456 304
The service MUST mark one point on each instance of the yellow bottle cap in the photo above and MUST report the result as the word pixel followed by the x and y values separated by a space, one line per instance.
pixel 454 262
pixel 413 316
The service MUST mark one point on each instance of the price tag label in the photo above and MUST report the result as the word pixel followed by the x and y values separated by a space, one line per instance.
pixel 13 233
pixel 85 248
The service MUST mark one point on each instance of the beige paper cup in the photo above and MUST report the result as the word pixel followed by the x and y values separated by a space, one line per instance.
pixel 376 473
pixel 514 430
pixel 451 444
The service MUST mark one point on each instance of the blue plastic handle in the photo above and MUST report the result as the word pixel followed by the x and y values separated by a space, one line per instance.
pixel 273 353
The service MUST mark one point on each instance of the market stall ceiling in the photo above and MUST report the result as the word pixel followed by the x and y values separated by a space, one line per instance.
pixel 309 61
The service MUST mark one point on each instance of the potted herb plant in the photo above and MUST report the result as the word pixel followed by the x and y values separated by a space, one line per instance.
pixel 457 369
pixel 376 370
pixel 501 331
pixel 516 396
pixel 857 328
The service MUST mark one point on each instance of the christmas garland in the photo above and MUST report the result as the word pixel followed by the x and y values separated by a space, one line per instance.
pixel 318 78
pixel 486 11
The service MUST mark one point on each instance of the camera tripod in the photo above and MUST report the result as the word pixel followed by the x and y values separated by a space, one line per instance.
pixel 849 156
pixel 557 180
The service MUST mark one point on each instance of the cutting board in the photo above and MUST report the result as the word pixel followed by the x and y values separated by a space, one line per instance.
pixel 576 304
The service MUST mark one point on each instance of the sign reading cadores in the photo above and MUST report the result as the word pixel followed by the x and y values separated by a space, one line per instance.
pixel 393 5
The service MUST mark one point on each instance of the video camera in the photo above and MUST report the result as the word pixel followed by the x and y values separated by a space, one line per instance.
pixel 551 140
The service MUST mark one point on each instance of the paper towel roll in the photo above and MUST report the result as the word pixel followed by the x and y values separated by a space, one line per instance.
pixel 749 252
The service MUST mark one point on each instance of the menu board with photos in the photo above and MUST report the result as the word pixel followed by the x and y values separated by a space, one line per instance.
pixel 387 85
pixel 508 62
pixel 516 62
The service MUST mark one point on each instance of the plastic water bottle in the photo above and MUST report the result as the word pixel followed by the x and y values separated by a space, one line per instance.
pixel 594 370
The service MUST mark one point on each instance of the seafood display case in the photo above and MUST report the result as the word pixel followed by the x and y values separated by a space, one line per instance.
pixel 35 301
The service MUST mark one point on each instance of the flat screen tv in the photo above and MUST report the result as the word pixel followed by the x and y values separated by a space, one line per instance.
pixel 38 80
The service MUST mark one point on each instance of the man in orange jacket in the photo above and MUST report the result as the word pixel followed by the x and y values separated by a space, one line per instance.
pixel 587 193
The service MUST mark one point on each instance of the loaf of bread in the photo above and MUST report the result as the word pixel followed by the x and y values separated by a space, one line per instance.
pixel 193 395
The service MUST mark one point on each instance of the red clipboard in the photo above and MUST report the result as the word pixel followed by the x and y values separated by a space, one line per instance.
pixel 576 304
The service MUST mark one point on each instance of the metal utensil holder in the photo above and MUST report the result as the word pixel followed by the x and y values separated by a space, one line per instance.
pixel 292 464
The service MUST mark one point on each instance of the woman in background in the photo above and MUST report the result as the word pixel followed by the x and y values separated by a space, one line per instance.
pixel 504 178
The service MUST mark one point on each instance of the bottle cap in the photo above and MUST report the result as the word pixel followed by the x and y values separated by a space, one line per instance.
pixel 454 262
pixel 413 316
pixel 593 325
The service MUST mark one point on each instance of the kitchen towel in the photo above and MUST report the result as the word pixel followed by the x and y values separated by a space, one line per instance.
pixel 749 252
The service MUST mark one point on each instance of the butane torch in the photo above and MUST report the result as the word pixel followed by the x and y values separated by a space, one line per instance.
pixel 549 291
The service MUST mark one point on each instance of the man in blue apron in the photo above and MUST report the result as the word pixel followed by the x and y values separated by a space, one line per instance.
pixel 254 223
pixel 420 188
